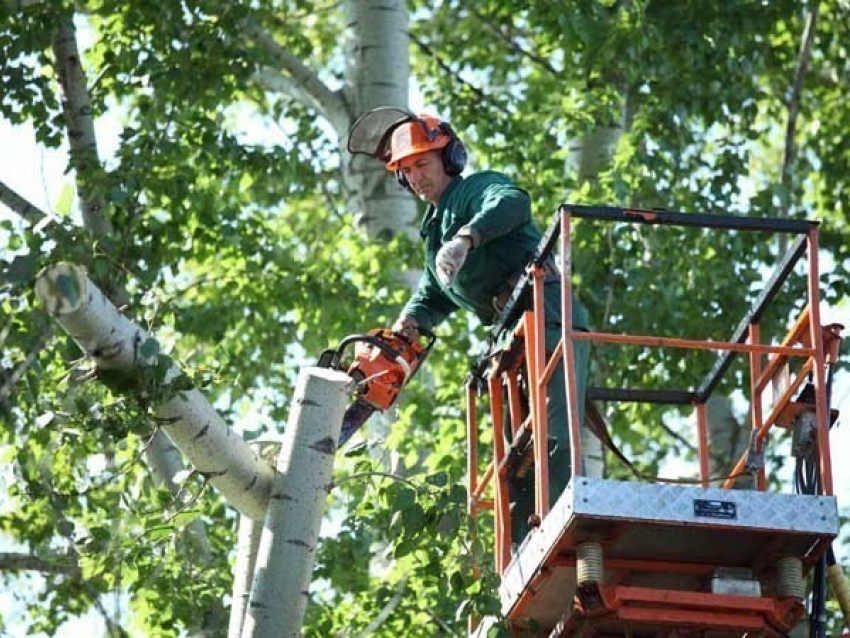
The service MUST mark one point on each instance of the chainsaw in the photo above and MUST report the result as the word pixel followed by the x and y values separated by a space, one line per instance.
pixel 383 363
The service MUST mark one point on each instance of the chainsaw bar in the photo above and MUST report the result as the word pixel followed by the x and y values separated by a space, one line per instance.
pixel 355 416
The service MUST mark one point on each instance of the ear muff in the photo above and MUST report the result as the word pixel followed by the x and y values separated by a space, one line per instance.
pixel 453 155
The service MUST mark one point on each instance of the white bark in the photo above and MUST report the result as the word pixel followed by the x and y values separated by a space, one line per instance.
pixel 589 155
pixel 592 153
pixel 377 48
pixel 299 81
pixel 304 472
pixel 248 544
pixel 80 126
pixel 115 343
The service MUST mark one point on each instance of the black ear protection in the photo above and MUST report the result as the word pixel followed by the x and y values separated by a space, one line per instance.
pixel 453 154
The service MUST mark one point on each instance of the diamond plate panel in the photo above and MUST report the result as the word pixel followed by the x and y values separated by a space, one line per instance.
pixel 707 507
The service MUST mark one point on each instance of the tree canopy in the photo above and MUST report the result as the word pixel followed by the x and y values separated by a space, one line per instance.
pixel 232 233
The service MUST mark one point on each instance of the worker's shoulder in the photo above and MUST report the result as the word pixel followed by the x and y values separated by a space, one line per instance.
pixel 488 184
pixel 482 179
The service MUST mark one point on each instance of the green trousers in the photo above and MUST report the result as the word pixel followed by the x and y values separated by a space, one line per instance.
pixel 521 489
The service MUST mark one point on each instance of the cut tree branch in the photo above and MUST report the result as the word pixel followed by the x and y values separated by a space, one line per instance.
pixel 115 343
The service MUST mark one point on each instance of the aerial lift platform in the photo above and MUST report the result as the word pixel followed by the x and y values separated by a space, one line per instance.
pixel 650 558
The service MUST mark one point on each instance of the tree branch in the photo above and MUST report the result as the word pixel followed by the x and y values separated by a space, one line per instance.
pixel 16 375
pixel 426 48
pixel 359 475
pixel 388 609
pixel 797 90
pixel 516 46
pixel 20 562
pixel 117 344
pixel 76 107
pixel 19 5
pixel 20 206
pixel 303 85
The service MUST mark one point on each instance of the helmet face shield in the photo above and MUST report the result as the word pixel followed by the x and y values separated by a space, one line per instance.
pixel 390 134
pixel 371 132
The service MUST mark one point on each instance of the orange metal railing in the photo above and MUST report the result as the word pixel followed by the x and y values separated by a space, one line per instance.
pixel 804 345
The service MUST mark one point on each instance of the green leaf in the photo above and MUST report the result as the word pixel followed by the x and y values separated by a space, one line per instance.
pixel 22 270
pixel 66 200
pixel 439 479
pixel 159 532
pixel 414 519
pixel 184 518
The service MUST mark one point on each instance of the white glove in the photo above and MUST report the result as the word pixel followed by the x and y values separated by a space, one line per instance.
pixel 450 258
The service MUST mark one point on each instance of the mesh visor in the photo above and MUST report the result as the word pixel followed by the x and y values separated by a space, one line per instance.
pixel 370 134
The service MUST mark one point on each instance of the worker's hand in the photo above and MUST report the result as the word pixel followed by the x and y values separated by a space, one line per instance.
pixel 407 326
pixel 450 259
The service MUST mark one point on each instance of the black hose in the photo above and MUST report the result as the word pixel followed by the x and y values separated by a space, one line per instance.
pixel 817 613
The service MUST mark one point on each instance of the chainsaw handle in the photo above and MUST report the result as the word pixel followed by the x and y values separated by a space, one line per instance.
pixel 370 340
pixel 429 336
pixel 333 358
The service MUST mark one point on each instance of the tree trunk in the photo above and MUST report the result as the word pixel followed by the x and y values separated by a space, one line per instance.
pixel 304 473
pixel 588 156
pixel 248 544
pixel 247 547
pixel 377 74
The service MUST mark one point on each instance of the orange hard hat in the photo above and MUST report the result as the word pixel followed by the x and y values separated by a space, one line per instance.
pixel 416 136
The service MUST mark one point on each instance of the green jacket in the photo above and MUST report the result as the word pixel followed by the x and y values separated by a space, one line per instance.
pixel 498 215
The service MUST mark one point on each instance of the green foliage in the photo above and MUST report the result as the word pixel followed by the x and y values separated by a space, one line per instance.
pixel 240 257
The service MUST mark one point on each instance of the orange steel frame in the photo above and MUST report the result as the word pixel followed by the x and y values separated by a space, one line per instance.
pixel 806 342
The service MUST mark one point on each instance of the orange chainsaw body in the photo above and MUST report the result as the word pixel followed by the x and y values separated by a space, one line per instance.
pixel 381 373
pixel 382 364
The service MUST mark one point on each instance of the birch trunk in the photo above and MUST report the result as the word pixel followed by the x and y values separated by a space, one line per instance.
pixel 377 73
pixel 77 111
pixel 589 155
pixel 247 547
pixel 304 472
pixel 377 50
pixel 728 439
pixel 248 544
pixel 115 343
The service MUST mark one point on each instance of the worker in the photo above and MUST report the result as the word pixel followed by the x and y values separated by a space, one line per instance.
pixel 479 235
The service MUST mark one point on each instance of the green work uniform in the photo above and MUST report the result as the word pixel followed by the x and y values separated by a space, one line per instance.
pixel 496 214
